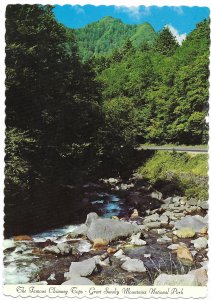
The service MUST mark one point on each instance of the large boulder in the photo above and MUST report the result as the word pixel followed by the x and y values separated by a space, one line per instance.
pixel 79 231
pixel 201 275
pixel 185 232
pixel 176 280
pixel 195 222
pixel 90 218
pixel 110 230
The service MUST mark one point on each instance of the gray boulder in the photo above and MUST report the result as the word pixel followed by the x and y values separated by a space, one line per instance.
pixel 152 218
pixel 176 280
pixel 91 217
pixel 133 265
pixel 109 229
pixel 195 222
pixel 82 268
pixel 81 230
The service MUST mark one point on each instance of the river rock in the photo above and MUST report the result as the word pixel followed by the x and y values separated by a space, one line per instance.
pixel 22 238
pixel 8 244
pixel 164 219
pixel 134 214
pixel 109 229
pixel 119 253
pixel 203 204
pixel 136 240
pixel 201 275
pixel 164 240
pixel 200 243
pixel 100 243
pixel 151 218
pixel 184 254
pixel 151 225
pixel 195 222
pixel 61 248
pixel 78 280
pixel 157 195
pixel 90 218
pixel 176 280
pixel 185 232
pixel 82 268
pixel 133 265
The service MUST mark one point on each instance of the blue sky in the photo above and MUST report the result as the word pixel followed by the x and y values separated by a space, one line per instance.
pixel 182 19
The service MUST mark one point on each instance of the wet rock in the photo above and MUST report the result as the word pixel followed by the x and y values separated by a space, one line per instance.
pixel 136 240
pixel 61 248
pixel 184 254
pixel 22 238
pixel 176 280
pixel 90 218
pixel 200 243
pixel 109 229
pixel 8 244
pixel 201 275
pixel 78 280
pixel 185 232
pixel 133 265
pixel 100 243
pixel 195 222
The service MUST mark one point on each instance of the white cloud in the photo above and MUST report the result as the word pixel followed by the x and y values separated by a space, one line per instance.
pixel 178 10
pixel 79 9
pixel 134 12
pixel 180 37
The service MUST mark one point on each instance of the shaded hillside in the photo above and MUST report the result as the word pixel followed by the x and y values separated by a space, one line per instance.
pixel 109 34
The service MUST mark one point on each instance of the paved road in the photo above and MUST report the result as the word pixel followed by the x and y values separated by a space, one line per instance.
pixel 176 148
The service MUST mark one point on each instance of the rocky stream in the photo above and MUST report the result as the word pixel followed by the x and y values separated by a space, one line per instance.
pixel 133 235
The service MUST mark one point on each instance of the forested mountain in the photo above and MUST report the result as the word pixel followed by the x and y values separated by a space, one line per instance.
pixel 108 34
pixel 70 119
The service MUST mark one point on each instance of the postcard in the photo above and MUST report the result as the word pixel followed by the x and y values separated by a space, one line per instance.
pixel 106 149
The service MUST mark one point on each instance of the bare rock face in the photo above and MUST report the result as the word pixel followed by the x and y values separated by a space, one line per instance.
pixel 110 230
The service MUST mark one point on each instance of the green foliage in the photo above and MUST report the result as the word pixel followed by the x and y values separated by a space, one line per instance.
pixel 166 43
pixel 108 34
pixel 190 171
pixel 170 93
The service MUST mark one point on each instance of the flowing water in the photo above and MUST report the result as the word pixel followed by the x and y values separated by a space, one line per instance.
pixel 22 266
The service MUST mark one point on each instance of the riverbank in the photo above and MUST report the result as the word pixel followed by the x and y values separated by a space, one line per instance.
pixel 166 236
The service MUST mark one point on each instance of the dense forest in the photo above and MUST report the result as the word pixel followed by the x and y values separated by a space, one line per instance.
pixel 79 102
